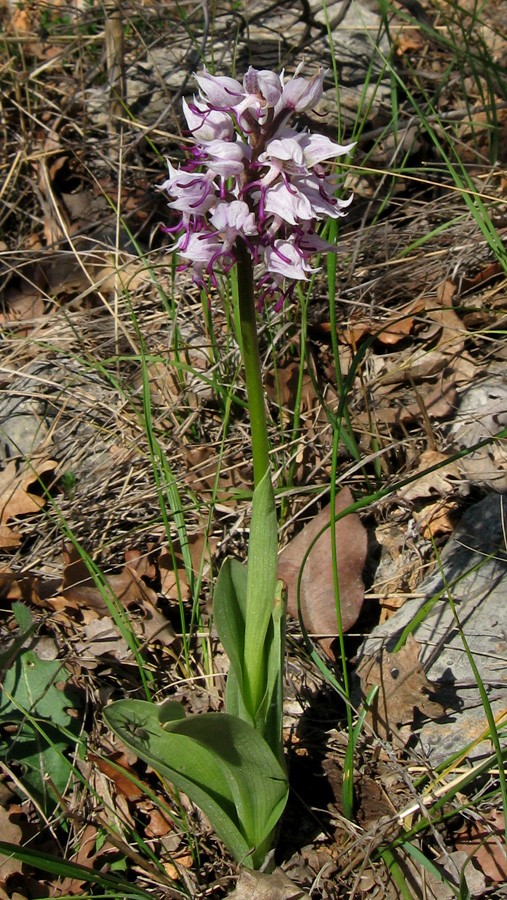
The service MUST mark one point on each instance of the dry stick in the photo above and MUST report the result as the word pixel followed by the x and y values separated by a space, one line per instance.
pixel 115 54
pixel 115 64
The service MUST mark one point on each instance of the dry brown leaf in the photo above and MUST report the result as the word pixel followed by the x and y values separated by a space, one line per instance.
pixel 452 333
pixel 158 825
pixel 15 498
pixel 354 334
pixel 128 588
pixel 442 482
pixel 397 327
pixel 102 637
pixel 10 588
pixel 437 519
pixel 141 563
pixel 24 306
pixel 403 687
pixel 13 834
pixel 409 41
pixel 85 856
pixel 79 586
pixel 487 274
pixel 118 770
pixel 318 606
pixel 484 841
pixel 392 329
pixel 444 332
pixel 89 851
pixel 202 464
pixel 260 886
pixel 437 402
pixel 282 384
pixel 174 582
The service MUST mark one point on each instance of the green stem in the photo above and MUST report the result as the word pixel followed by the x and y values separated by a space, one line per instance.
pixel 252 362
pixel 262 551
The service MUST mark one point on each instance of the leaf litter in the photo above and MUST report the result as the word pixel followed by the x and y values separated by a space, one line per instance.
pixel 71 280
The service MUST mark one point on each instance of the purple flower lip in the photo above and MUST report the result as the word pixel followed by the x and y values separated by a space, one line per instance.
pixel 253 178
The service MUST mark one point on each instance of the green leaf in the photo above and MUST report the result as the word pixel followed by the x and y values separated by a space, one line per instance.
pixel 219 761
pixel 170 711
pixel 55 865
pixel 229 611
pixel 261 588
pixel 271 710
pixel 23 616
pixel 31 700
pixel 26 627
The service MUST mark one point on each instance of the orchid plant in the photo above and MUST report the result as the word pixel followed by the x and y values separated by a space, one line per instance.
pixel 251 195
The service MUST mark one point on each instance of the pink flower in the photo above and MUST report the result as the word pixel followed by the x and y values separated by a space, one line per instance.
pixel 284 258
pixel 194 192
pixel 262 92
pixel 266 86
pixel 207 124
pixel 286 202
pixel 226 158
pixel 220 91
pixel 253 179
pixel 299 94
pixel 317 147
pixel 233 220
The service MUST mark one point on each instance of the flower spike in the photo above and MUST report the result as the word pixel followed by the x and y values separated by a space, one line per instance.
pixel 254 179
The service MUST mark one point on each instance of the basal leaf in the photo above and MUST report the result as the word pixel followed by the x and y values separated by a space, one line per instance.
pixel 219 761
pixel 229 609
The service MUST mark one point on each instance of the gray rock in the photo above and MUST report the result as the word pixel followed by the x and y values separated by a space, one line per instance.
pixel 473 572
pixel 482 414
pixel 60 402
pixel 266 38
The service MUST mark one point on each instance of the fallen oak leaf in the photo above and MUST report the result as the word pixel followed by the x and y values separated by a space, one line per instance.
pixel 483 276
pixel 174 584
pixel 10 832
pixel 443 482
pixel 15 498
pixel 408 41
pixel 389 331
pixel 281 386
pixel 402 687
pixel 118 770
pixel 396 328
pixel 437 519
pixel 85 856
pixel 102 637
pixel 141 563
pixel 127 588
pixel 203 462
pixel 318 604
pixel 442 341
pixel 275 885
pixel 159 825
pixel 484 842
pixel 24 306
pixel 79 585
